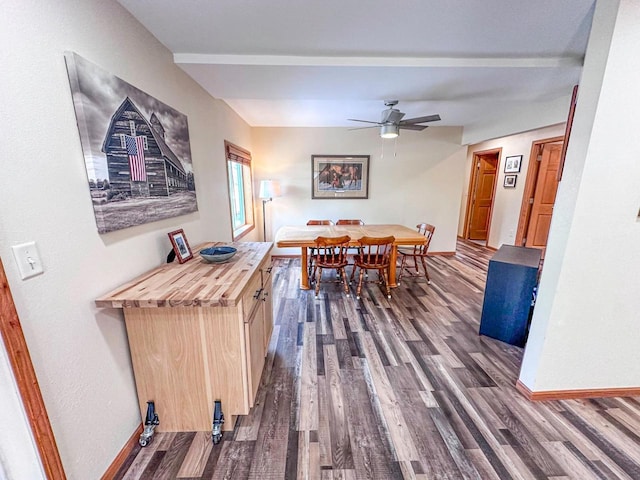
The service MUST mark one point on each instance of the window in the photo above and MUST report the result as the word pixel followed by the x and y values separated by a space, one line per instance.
pixel 240 190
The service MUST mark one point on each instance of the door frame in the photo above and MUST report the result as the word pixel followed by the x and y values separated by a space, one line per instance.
pixel 473 178
pixel 530 186
pixel 27 382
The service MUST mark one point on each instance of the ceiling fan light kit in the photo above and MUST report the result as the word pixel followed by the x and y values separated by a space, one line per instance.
pixel 391 121
pixel 389 131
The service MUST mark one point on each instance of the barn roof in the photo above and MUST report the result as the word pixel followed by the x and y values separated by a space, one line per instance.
pixel 166 152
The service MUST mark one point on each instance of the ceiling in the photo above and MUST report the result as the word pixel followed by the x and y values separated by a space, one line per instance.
pixel 300 63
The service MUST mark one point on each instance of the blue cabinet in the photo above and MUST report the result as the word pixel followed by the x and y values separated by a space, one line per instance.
pixel 511 279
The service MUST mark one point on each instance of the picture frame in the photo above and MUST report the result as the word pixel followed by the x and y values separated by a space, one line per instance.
pixel 512 164
pixel 180 245
pixel 510 181
pixel 340 176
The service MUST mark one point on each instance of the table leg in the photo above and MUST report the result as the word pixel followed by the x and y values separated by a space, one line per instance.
pixel 304 274
pixel 392 267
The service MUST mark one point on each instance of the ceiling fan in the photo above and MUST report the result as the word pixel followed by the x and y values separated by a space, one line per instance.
pixel 391 121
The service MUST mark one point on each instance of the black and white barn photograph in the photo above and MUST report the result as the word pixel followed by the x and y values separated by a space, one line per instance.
pixel 136 149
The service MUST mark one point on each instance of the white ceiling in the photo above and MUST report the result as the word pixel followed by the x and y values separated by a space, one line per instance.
pixel 317 63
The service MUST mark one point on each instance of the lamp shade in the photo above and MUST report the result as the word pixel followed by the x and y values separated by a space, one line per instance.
pixel 269 189
pixel 389 131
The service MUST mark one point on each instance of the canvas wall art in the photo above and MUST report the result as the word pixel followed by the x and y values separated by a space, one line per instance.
pixel 136 150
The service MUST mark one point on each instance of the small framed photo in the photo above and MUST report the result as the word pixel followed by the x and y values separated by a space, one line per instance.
pixel 512 164
pixel 510 181
pixel 180 245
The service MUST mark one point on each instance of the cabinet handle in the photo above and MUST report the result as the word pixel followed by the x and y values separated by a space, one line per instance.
pixel 256 296
pixel 264 297
pixel 269 269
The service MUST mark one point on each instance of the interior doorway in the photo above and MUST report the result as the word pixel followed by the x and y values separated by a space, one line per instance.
pixel 482 187
pixel 539 194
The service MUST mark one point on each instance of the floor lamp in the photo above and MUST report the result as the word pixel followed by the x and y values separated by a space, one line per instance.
pixel 268 190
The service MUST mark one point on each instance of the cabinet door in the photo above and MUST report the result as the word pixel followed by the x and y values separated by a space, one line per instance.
pixel 254 339
pixel 268 305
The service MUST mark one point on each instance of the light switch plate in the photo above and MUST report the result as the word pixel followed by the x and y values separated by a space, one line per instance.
pixel 27 259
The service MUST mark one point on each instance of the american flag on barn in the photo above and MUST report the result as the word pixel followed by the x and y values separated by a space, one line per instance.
pixel 135 149
pixel 139 161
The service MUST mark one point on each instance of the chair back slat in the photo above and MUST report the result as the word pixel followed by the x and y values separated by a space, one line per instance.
pixel 426 230
pixel 376 251
pixel 320 222
pixel 344 221
pixel 331 252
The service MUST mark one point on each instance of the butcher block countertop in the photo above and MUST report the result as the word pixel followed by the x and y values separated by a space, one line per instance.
pixel 195 283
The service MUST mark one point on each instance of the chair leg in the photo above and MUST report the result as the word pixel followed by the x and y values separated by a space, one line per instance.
pixel 426 272
pixel 318 280
pixel 385 277
pixel 343 274
pixel 359 289
pixel 415 264
pixel 402 267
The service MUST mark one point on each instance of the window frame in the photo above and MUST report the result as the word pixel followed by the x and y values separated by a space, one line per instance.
pixel 239 156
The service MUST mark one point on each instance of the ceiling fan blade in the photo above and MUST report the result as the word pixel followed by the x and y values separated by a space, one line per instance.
pixel 412 126
pixel 362 128
pixel 428 118
pixel 364 121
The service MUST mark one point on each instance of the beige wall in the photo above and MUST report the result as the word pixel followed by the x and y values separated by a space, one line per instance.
pixel 80 353
pixel 507 201
pixel 421 182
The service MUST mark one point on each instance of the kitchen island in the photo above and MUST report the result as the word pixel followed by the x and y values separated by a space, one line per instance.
pixel 199 332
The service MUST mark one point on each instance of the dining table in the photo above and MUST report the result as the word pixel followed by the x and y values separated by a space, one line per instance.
pixel 304 237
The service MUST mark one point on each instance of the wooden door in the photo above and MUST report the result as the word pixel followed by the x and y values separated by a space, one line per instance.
pixel 486 169
pixel 544 196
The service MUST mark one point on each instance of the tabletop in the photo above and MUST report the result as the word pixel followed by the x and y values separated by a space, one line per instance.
pixel 304 236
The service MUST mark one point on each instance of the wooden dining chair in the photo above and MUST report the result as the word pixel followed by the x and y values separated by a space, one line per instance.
pixel 375 254
pixel 311 251
pixel 331 252
pixel 343 221
pixel 417 252
pixel 347 221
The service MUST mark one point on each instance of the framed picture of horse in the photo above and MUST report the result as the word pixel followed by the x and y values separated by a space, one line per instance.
pixel 339 176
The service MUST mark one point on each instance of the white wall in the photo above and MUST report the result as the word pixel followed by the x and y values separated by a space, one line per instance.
pixel 80 353
pixel 421 183
pixel 507 201
pixel 585 331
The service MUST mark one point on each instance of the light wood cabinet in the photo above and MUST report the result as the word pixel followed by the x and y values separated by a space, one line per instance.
pixel 199 332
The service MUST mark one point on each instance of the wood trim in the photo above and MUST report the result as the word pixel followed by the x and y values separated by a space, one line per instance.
pixel 122 456
pixel 533 167
pixel 25 375
pixel 574 394
pixel 567 130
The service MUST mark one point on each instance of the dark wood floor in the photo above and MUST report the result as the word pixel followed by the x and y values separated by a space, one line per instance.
pixel 399 389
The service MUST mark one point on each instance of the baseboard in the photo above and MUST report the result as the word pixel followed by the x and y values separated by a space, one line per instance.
pixel 285 256
pixel 574 394
pixel 122 456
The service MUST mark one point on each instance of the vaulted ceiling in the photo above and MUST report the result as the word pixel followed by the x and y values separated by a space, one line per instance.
pixel 318 63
